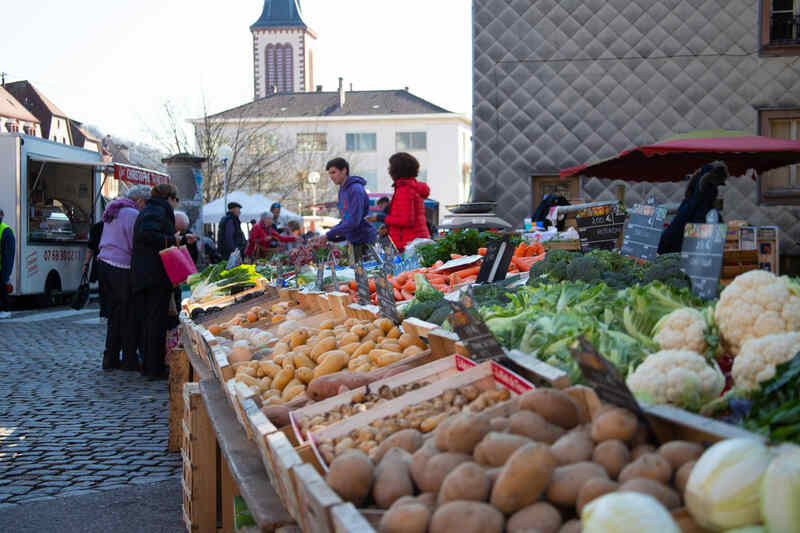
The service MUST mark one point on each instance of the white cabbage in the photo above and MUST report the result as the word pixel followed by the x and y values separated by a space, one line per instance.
pixel 627 512
pixel 780 492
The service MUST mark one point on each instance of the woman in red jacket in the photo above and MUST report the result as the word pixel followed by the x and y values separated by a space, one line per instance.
pixel 406 219
pixel 264 236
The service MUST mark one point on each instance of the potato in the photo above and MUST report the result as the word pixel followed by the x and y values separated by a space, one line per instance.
pixel 428 499
pixel 499 424
pixel 364 349
pixel 437 467
pixel 387 357
pixel 441 434
pixel 297 338
pixel 394 333
pixel 493 474
pixel 649 465
pixel 302 361
pixel 594 488
pixel 291 392
pixel 642 449
pixel 419 462
pixel 350 476
pixel 430 423
pixel 334 361
pixel 406 339
pixel 384 324
pixel 412 350
pixel 679 452
pixel 375 335
pixel 567 481
pixel 686 523
pixel 571 526
pixel 349 349
pixel 356 362
pixel 392 478
pixel 304 374
pixel 360 330
pixel 391 345
pixel 615 423
pixel 524 477
pixel 465 431
pixel 324 345
pixel 282 379
pixel 682 476
pixel 664 494
pixel 280 348
pixel 467 517
pixel 250 381
pixel 411 517
pixel 496 448
pixel 574 447
pixel 555 406
pixel 612 455
pixel 409 440
pixel 349 338
pixel 534 426
pixel 467 481
pixel 541 517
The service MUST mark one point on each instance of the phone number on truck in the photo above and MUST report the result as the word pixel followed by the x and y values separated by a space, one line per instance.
pixel 62 255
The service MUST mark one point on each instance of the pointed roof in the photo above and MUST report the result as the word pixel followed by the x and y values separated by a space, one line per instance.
pixel 11 108
pixel 35 102
pixel 280 13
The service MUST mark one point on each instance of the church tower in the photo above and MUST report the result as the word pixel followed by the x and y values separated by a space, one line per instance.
pixel 283 50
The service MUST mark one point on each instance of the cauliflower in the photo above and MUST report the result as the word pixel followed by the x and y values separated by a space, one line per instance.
pixel 756 304
pixel 680 377
pixel 682 329
pixel 758 358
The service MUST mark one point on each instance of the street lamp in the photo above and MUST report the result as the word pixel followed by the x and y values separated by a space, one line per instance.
pixel 313 179
pixel 225 154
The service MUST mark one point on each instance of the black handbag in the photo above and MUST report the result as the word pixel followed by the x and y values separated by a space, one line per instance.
pixel 81 296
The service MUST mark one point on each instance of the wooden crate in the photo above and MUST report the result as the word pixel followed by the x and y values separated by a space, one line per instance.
pixel 573 245
pixel 199 456
pixel 179 373
pixel 736 262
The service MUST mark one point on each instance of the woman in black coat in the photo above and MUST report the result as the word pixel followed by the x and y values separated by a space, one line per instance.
pixel 154 231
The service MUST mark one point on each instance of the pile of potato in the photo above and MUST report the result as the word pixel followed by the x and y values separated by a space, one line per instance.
pixel 275 313
pixel 308 353
pixel 359 403
pixel 534 470
pixel 407 427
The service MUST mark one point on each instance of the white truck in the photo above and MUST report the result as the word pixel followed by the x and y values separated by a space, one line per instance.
pixel 50 194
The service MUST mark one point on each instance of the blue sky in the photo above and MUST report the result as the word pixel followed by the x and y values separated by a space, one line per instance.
pixel 114 63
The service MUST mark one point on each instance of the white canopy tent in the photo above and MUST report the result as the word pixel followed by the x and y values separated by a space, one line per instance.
pixel 252 207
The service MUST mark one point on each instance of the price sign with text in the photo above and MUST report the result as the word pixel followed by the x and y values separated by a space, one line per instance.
pixel 496 261
pixel 643 231
pixel 386 301
pixel 362 281
pixel 472 330
pixel 599 227
pixel 701 257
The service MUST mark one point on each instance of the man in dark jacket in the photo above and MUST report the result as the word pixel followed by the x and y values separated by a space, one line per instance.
pixel 7 250
pixel 230 236
pixel 353 205
pixel 154 231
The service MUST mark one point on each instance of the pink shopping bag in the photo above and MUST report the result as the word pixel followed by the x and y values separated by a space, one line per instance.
pixel 178 263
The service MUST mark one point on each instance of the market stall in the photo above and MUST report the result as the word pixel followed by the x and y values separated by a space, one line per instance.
pixel 540 399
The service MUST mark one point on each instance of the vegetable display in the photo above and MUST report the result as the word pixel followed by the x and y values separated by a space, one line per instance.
pixel 215 281
pixel 775 411
pixel 460 242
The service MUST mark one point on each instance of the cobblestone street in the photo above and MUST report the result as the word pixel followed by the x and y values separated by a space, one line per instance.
pixel 66 427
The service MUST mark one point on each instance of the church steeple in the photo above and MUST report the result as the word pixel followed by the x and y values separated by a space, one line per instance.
pixel 283 56
pixel 280 13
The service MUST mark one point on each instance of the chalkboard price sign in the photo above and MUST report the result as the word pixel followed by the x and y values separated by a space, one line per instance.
pixel 599 227
pixel 472 330
pixel 701 257
pixel 607 382
pixel 643 231
pixel 319 284
pixel 496 261
pixel 386 301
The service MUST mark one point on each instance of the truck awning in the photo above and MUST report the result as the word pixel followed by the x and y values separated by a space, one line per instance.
pixel 126 173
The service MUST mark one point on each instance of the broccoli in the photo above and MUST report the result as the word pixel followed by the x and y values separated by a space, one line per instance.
pixel 667 269
pixel 421 310
pixel 440 314
pixel 586 269
pixel 425 291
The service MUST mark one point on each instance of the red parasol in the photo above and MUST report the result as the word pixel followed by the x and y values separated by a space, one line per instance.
pixel 673 159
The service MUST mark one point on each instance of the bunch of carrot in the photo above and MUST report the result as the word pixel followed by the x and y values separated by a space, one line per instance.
pixel 404 285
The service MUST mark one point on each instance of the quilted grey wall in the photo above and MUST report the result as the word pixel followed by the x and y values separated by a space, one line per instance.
pixel 559 83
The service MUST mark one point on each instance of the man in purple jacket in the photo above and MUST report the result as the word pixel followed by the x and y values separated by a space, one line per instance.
pixel 116 246
pixel 353 206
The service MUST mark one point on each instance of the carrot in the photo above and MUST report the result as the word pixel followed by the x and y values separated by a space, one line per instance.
pixel 469 279
pixel 520 250
pixel 374 299
pixel 398 295
pixel 523 263
pixel 454 279
pixel 402 277
pixel 440 287
pixel 410 286
pixel 406 295
pixel 456 256
pixel 437 264
pixel 481 251
pixel 353 285
pixel 436 278
pixel 372 286
pixel 468 271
